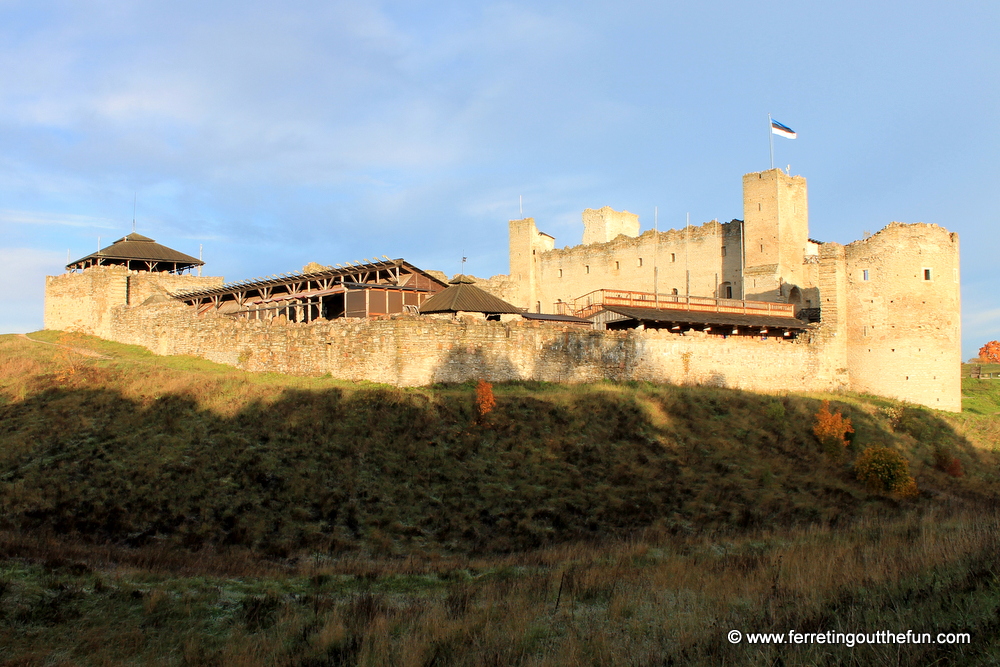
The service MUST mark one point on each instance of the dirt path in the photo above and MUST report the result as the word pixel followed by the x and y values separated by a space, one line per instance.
pixel 78 350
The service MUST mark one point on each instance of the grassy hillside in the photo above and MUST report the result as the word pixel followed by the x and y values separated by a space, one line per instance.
pixel 233 517
pixel 134 449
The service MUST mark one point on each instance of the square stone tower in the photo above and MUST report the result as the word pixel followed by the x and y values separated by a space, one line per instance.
pixel 776 225
pixel 526 246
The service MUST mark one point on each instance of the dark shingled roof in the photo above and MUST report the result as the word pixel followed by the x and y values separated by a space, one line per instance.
pixel 555 317
pixel 136 247
pixel 466 297
pixel 701 317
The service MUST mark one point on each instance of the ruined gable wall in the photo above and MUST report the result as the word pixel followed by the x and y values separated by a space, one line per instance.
pixel 413 351
pixel 606 224
pixel 83 301
pixel 500 286
pixel 904 334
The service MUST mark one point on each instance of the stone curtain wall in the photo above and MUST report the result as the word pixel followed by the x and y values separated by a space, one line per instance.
pixel 414 351
pixel 678 259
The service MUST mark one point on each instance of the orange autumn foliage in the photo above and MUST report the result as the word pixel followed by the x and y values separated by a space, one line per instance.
pixel 831 428
pixel 485 402
pixel 990 353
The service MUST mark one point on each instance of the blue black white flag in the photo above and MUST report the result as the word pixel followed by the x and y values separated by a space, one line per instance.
pixel 782 130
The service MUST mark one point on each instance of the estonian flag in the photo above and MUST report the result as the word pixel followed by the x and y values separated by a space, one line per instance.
pixel 782 130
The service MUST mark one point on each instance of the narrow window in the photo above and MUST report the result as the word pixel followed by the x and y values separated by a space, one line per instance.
pixel 587 267
pixel 762 248
pixel 617 265
pixel 723 251
pixel 560 273
pixel 865 274
pixel 729 291
pixel 927 274
pixel 673 258
pixel 640 261
pixel 538 306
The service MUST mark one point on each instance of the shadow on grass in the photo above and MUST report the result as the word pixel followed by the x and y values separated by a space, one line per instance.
pixel 385 471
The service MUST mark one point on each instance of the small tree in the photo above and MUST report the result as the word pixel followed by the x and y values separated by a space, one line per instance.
pixel 884 469
pixel 485 402
pixel 831 428
pixel 990 353
pixel 946 462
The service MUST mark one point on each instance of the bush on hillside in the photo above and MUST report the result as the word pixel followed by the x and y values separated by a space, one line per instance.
pixel 947 463
pixel 831 428
pixel 485 401
pixel 885 469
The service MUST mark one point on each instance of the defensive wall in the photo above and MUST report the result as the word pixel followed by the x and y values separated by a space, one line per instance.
pixel 414 350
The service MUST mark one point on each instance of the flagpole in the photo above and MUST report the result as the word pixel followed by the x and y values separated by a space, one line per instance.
pixel 770 137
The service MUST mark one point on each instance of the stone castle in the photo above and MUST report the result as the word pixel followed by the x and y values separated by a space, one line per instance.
pixel 879 315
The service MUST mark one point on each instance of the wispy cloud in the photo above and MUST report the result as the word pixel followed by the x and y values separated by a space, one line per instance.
pixel 12 217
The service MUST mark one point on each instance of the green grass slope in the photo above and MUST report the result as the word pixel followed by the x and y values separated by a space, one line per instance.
pixel 136 448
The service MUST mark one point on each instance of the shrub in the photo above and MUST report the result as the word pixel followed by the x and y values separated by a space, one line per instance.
pixel 884 469
pixel 831 428
pixel 775 411
pixel 946 463
pixel 485 402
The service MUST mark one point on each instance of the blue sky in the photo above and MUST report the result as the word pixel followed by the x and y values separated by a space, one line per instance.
pixel 331 131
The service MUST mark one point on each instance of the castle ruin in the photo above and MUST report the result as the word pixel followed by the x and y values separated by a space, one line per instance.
pixel 753 304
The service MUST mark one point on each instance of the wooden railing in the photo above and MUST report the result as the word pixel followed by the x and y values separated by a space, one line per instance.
pixel 588 304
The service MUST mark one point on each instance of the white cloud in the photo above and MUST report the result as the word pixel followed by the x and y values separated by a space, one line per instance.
pixel 11 217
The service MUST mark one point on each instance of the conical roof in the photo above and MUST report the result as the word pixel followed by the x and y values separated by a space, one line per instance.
pixel 466 297
pixel 141 250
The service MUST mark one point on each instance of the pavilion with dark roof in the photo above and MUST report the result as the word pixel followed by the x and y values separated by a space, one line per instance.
pixel 138 253
pixel 464 297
